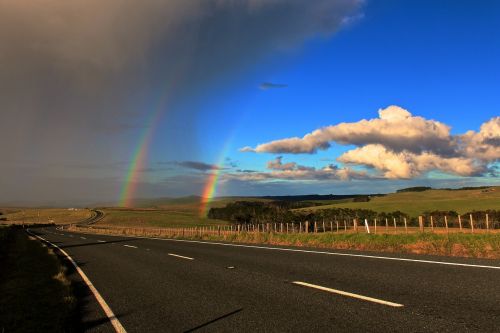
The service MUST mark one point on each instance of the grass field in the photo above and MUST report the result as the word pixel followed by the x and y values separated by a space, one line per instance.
pixel 173 216
pixel 415 203
pixel 173 213
pixel 44 215
pixel 35 294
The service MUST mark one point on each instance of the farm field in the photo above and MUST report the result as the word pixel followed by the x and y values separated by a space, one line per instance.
pixel 173 213
pixel 174 216
pixel 44 215
pixel 416 203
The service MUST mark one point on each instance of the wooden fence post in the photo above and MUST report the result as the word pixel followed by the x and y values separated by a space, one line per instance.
pixel 406 226
pixel 300 227
pixel 307 227
pixel 345 226
pixel 421 223
pixel 487 224
pixel 375 225
pixel 386 225
pixel 446 223
pixel 367 226
pixel 355 224
pixel 471 223
pixel 395 226
pixel 323 225
pixel 315 227
pixel 432 224
pixel 460 222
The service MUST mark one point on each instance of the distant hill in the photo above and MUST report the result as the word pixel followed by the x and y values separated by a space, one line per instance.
pixel 415 203
pixel 316 197
pixel 414 189
pixel 163 201
pixel 425 188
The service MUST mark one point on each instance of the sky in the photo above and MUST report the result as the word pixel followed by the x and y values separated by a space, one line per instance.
pixel 116 100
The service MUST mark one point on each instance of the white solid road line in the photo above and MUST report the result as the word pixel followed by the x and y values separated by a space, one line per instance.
pixel 101 241
pixel 107 310
pixel 83 238
pixel 323 252
pixel 178 256
pixel 345 293
pixel 134 247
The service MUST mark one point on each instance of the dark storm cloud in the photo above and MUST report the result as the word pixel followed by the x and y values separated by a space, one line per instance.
pixel 79 77
pixel 269 85
pixel 200 166
pixel 246 171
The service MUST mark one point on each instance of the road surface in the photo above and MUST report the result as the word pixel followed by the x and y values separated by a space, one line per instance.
pixel 181 286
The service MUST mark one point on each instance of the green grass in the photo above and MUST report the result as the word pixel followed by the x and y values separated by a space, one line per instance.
pixel 457 244
pixel 45 215
pixel 35 296
pixel 177 216
pixel 415 203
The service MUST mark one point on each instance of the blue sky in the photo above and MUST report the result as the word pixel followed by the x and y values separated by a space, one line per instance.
pixel 80 95
pixel 439 60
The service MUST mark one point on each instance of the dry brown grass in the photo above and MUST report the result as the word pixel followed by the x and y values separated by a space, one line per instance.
pixel 45 215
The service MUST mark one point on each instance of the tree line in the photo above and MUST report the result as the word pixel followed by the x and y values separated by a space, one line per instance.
pixel 250 212
pixel 247 212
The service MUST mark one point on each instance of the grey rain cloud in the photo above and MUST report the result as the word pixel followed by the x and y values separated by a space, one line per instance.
pixel 79 77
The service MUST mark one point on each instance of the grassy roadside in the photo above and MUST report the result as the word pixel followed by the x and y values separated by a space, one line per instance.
pixel 35 294
pixel 455 244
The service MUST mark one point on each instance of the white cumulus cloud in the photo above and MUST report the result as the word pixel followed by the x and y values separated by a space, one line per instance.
pixel 398 144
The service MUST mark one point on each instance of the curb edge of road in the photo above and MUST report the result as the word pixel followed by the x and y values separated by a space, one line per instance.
pixel 107 310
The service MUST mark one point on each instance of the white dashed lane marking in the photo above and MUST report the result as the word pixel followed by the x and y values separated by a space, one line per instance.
pixel 348 294
pixel 178 256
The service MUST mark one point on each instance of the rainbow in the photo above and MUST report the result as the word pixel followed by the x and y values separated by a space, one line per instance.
pixel 139 159
pixel 140 153
pixel 210 188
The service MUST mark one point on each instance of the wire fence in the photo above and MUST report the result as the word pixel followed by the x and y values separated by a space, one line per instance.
pixel 435 224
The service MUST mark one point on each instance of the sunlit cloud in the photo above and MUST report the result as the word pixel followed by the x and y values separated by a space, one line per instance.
pixel 292 171
pixel 399 145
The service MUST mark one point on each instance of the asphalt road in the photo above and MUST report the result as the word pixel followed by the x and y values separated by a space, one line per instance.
pixel 177 286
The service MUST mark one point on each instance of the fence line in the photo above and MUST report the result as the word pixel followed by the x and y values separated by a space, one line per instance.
pixel 436 224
